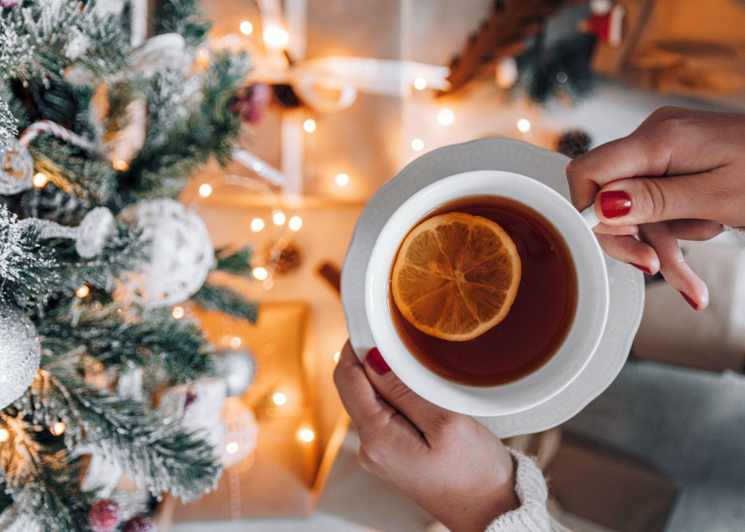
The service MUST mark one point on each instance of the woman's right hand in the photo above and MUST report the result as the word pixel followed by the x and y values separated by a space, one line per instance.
pixel 680 175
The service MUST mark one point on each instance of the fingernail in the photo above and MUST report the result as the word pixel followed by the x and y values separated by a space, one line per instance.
pixel 642 268
pixel 689 300
pixel 615 203
pixel 376 362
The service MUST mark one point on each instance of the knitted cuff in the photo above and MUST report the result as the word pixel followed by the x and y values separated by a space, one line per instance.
pixel 532 516
pixel 737 231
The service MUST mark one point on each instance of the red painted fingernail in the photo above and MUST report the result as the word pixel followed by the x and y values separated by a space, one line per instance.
pixel 642 268
pixel 689 300
pixel 615 203
pixel 376 362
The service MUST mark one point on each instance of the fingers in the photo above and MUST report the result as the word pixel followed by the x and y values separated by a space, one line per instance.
pixel 628 230
pixel 695 229
pixel 630 250
pixel 673 266
pixel 427 417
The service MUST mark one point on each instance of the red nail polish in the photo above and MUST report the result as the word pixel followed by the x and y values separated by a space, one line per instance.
pixel 642 268
pixel 615 203
pixel 689 300
pixel 376 362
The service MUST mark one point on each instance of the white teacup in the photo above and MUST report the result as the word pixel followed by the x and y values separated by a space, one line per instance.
pixel 589 320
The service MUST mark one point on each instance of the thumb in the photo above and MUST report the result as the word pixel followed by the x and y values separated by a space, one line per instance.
pixel 642 200
pixel 427 417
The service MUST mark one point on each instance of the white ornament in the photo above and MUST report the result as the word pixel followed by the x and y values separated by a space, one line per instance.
pixel 181 253
pixel 20 353
pixel 90 236
pixel 506 73
pixel 238 369
pixel 16 168
pixel 241 432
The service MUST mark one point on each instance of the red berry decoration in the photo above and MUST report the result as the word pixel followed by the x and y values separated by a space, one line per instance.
pixel 9 4
pixel 104 516
pixel 139 523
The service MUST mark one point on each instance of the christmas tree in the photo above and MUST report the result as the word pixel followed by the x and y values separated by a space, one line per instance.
pixel 100 128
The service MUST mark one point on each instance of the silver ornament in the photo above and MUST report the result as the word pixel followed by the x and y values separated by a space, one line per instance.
pixel 238 369
pixel 20 353
pixel 181 254
pixel 241 432
pixel 90 236
pixel 16 168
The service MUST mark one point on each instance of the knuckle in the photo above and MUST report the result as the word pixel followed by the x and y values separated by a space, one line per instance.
pixel 371 458
pixel 449 424
pixel 654 197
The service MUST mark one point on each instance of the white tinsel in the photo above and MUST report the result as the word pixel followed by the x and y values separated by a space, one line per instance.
pixel 16 50
pixel 8 128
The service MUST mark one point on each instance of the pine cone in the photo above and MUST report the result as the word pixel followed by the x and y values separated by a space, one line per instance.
pixel 104 516
pixel 286 96
pixel 289 259
pixel 574 143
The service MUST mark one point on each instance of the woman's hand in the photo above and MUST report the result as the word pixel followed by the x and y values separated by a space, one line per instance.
pixel 448 463
pixel 681 174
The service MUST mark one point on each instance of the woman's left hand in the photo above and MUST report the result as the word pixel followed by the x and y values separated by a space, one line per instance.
pixel 448 463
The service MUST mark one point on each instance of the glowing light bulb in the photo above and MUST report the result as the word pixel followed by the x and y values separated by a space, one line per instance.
pixel 260 273
pixel 523 125
pixel 235 342
pixel 279 218
pixel 337 356
pixel 295 223
pixel 58 429
pixel 232 448
pixel 205 190
pixel 309 125
pixel 82 291
pixel 257 224
pixel 40 180
pixel 268 284
pixel 306 435
pixel 178 312
pixel 342 180
pixel 121 165
pixel 247 28
pixel 279 399
pixel 417 144
pixel 4 435
pixel 276 37
pixel 257 167
pixel 420 84
pixel 446 117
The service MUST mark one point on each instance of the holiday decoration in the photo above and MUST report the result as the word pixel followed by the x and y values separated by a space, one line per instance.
pixel 139 523
pixel 9 4
pixel 290 259
pixel 506 73
pixel 181 256
pixel 241 432
pixel 20 353
pixel 17 169
pixel 252 102
pixel 89 237
pixel 104 516
pixel 194 405
pixel 606 21
pixel 574 143
pixel 238 369
pixel 62 133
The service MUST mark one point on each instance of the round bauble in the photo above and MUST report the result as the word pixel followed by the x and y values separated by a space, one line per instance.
pixel 16 168
pixel 241 432
pixel 139 523
pixel 181 253
pixel 104 516
pixel 238 369
pixel 94 232
pixel 20 353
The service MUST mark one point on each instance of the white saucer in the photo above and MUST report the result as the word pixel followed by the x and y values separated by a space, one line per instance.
pixel 626 283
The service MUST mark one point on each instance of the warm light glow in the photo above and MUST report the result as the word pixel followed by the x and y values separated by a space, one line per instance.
pixel 205 190
pixel 83 291
pixel 268 284
pixel 417 144
pixel 420 84
pixel 40 180
pixel 279 218
pixel 276 37
pixel 257 224
pixel 260 273
pixel 121 165
pixel 232 447
pixel 247 28
pixel 58 429
pixel 337 356
pixel 178 312
pixel 342 180
pixel 4 435
pixel 235 342
pixel 279 399
pixel 523 125
pixel 446 117
pixel 309 125
pixel 257 167
pixel 295 223
pixel 306 435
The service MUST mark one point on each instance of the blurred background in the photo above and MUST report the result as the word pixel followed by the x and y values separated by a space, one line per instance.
pixel 343 95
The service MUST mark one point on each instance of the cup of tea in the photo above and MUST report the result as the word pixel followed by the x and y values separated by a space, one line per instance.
pixel 554 323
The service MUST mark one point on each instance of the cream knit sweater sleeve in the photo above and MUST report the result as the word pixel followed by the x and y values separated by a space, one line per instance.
pixel 532 516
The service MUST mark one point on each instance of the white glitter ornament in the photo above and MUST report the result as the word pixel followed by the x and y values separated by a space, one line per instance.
pixel 181 253
pixel 238 370
pixel 241 432
pixel 90 236
pixel 20 353
pixel 16 168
